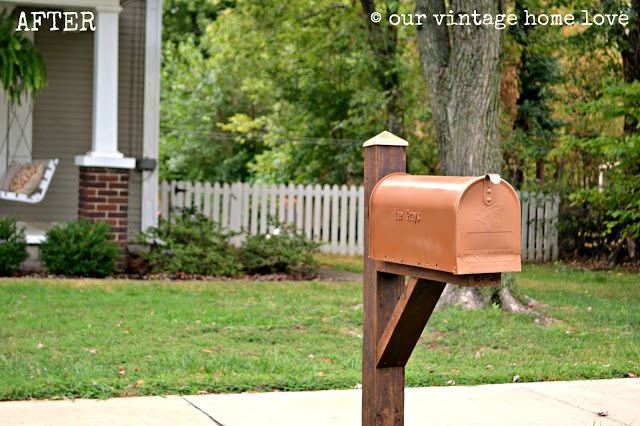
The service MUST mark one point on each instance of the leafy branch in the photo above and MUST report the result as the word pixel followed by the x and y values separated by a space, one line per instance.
pixel 22 68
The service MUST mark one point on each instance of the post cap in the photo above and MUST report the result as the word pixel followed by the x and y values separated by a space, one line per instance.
pixel 386 138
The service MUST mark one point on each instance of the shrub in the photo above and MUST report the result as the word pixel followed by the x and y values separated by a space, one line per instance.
pixel 581 232
pixel 81 248
pixel 282 251
pixel 13 245
pixel 192 244
pixel 587 233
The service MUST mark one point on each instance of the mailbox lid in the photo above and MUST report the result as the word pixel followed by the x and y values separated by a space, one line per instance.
pixel 424 221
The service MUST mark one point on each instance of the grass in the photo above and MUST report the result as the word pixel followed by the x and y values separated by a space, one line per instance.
pixel 91 338
pixel 341 263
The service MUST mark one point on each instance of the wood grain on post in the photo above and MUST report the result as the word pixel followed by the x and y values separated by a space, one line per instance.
pixel 382 388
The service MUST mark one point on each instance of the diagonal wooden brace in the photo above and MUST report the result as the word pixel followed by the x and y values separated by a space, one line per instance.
pixel 407 322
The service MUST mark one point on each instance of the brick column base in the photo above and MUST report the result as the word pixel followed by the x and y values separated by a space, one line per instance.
pixel 104 196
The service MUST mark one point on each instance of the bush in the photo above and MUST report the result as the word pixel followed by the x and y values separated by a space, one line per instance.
pixel 581 230
pixel 80 248
pixel 586 233
pixel 192 244
pixel 13 245
pixel 282 251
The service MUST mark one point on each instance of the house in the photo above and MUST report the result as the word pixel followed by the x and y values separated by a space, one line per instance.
pixel 99 115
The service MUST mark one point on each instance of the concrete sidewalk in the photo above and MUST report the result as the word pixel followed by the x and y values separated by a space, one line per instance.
pixel 550 403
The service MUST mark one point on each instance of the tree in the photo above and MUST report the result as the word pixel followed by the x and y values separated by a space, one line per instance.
pixel 184 19
pixel 292 73
pixel 631 71
pixel 302 78
pixel 601 137
pixel 192 103
pixel 534 128
pixel 631 58
pixel 286 93
pixel 462 67
pixel 383 40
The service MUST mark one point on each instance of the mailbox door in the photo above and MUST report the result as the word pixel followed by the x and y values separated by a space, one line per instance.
pixel 488 216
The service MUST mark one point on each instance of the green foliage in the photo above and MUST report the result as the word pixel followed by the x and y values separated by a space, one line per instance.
pixel 80 248
pixel 283 250
pixel 256 92
pixel 284 94
pixel 619 198
pixel 291 72
pixel 597 99
pixel 22 69
pixel 192 102
pixel 13 245
pixel 192 244
pixel 582 231
pixel 601 217
pixel 182 19
pixel 532 49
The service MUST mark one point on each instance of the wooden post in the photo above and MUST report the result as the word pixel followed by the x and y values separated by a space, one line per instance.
pixel 395 314
pixel 382 388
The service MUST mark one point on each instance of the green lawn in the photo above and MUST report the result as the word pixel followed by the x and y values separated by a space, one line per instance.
pixel 341 263
pixel 91 338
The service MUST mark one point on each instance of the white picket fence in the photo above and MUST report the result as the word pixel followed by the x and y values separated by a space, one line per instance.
pixel 333 215
pixel 539 227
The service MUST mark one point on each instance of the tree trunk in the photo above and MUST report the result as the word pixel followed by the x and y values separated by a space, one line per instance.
pixel 462 67
pixel 540 171
pixel 631 58
pixel 631 71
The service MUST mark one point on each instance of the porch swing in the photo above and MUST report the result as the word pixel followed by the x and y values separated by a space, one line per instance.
pixel 40 191
pixel 23 74
pixel 41 172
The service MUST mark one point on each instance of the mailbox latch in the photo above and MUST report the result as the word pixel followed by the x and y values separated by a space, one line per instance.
pixel 489 181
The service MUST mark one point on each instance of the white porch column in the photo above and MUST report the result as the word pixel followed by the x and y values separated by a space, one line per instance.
pixel 104 138
pixel 151 130
pixel 104 141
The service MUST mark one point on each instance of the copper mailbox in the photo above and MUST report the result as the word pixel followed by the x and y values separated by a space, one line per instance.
pixel 461 225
